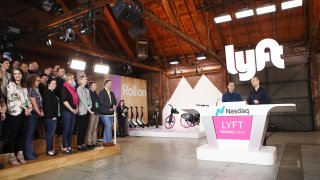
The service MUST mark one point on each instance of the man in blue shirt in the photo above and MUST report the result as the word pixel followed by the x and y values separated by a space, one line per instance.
pixel 231 96
pixel 258 95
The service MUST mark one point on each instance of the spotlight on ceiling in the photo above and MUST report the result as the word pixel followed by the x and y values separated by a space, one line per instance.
pixel 222 18
pixel 48 42
pixel 101 68
pixel 127 67
pixel 68 36
pixel 244 13
pixel 52 7
pixel 86 28
pixel 77 64
pixel 12 55
pixel 291 4
pixel 266 9
pixel 201 56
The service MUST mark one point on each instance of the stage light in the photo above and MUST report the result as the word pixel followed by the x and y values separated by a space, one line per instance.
pixel 101 68
pixel 291 4
pixel 68 36
pixel 86 28
pixel 77 64
pixel 51 6
pixel 244 13
pixel 266 9
pixel 222 18
pixel 127 67
pixel 48 42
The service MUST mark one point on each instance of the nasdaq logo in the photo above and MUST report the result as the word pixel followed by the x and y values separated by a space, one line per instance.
pixel 220 111
pixel 254 60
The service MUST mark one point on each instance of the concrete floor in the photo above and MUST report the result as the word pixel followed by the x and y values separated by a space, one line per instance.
pixel 175 159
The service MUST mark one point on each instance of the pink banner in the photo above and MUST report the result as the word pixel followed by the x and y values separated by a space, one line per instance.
pixel 233 127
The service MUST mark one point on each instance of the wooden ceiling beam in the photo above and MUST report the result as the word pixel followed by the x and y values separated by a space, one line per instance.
pixel 167 8
pixel 199 23
pixel 85 40
pixel 150 16
pixel 105 32
pixel 118 32
pixel 184 28
pixel 103 55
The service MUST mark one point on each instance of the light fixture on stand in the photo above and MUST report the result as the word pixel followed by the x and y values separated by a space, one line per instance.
pixel 101 68
pixel 77 64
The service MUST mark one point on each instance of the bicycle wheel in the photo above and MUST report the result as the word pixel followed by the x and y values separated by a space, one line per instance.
pixel 184 123
pixel 169 121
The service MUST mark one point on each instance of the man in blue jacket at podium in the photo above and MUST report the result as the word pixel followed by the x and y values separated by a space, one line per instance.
pixel 231 96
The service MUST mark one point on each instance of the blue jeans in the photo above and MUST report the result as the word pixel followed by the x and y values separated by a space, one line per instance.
pixel 107 132
pixel 51 126
pixel 68 119
pixel 32 123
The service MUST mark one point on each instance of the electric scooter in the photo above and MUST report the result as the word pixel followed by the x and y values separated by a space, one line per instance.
pixel 140 124
pixel 141 118
pixel 132 123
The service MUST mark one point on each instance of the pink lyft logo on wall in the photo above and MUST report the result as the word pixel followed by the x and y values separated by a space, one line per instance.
pixel 233 127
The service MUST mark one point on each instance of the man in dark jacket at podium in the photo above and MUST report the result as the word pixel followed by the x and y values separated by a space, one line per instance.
pixel 258 96
pixel 231 96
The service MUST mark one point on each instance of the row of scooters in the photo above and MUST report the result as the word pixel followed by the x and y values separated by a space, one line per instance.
pixel 137 121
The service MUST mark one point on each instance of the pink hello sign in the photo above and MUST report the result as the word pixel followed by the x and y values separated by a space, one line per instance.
pixel 232 127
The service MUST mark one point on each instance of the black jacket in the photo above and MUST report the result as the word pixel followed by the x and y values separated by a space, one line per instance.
pixel 60 82
pixel 94 99
pixel 105 104
pixel 65 95
pixel 122 112
pixel 50 104
pixel 261 95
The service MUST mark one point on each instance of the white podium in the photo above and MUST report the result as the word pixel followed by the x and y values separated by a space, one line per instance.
pixel 235 132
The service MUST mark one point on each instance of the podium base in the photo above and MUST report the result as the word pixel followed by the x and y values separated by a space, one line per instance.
pixel 265 156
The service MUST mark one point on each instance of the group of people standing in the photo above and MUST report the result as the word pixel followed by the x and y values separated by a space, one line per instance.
pixel 27 95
